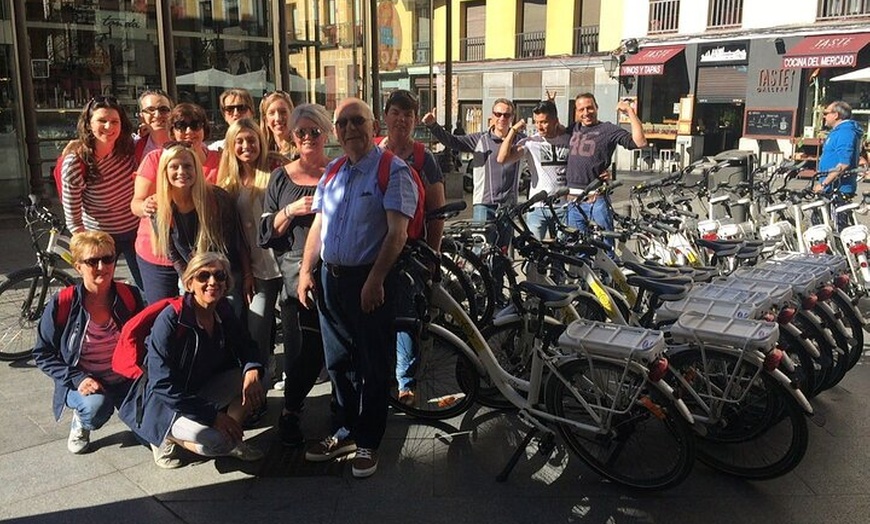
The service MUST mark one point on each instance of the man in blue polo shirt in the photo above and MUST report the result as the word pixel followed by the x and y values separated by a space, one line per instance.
pixel 841 150
pixel 358 232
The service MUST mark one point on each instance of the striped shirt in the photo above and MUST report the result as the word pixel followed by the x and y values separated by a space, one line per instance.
pixel 103 205
pixel 97 350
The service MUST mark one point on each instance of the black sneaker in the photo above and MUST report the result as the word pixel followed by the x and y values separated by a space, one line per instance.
pixel 289 431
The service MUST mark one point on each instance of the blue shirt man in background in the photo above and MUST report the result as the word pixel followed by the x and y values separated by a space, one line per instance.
pixel 840 152
pixel 358 232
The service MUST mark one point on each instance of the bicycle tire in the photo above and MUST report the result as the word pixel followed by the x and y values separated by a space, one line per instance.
pixel 646 448
pixel 842 350
pixel 853 323
pixel 480 278
pixel 804 373
pixel 761 432
pixel 22 303
pixel 825 362
pixel 447 381
pixel 457 284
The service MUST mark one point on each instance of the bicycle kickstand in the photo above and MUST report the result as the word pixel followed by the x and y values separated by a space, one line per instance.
pixel 521 448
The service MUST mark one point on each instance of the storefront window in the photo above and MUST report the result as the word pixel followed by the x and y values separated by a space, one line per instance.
pixel 11 160
pixel 83 49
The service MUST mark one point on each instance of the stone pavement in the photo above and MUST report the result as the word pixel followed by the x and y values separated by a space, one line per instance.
pixel 428 473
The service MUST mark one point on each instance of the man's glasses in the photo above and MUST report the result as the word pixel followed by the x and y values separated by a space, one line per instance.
pixel 241 108
pixel 502 115
pixel 154 111
pixel 356 120
pixel 304 132
pixel 94 262
pixel 205 275
pixel 181 125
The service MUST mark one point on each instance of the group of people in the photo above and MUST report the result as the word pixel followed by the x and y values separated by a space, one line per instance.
pixel 215 236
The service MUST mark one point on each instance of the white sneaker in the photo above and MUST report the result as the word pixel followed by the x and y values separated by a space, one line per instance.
pixel 165 455
pixel 246 452
pixel 79 437
pixel 279 385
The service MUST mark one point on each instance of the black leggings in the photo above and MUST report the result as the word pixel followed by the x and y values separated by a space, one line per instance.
pixel 303 352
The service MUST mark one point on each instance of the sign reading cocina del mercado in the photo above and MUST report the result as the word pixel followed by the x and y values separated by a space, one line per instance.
pixel 826 51
pixel 649 61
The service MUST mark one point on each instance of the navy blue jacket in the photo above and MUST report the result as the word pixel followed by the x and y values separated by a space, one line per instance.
pixel 181 358
pixel 58 347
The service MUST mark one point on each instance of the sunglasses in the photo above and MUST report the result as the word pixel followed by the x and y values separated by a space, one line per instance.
pixel 241 108
pixel 155 110
pixel 94 262
pixel 205 275
pixel 502 115
pixel 304 132
pixel 181 125
pixel 356 120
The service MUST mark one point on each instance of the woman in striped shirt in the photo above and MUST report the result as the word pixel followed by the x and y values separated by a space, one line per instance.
pixel 96 177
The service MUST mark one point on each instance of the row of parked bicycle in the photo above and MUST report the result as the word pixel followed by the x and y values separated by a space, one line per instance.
pixel 639 363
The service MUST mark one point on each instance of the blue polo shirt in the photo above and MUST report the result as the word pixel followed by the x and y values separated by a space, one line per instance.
pixel 353 208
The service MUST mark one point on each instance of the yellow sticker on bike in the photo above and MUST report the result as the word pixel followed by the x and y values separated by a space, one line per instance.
pixel 604 299
pixel 622 285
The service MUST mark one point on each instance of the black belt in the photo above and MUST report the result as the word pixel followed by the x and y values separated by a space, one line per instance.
pixel 347 271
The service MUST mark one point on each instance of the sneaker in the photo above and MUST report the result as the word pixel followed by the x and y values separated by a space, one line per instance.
pixel 365 463
pixel 289 431
pixel 406 397
pixel 165 455
pixel 246 452
pixel 330 448
pixel 79 437
pixel 279 385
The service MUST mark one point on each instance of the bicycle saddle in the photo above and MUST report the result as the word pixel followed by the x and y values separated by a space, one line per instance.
pixel 550 296
pixel 720 248
pixel 665 289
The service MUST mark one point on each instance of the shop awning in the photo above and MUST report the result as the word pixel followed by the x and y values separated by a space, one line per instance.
pixel 650 60
pixel 826 51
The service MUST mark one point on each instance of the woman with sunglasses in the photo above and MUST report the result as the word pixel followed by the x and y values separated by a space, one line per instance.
pixel 76 351
pixel 95 175
pixel 197 403
pixel 275 110
pixel 284 226
pixel 244 174
pixel 195 217
pixel 189 124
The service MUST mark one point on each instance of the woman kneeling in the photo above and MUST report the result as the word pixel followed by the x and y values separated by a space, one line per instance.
pixel 202 376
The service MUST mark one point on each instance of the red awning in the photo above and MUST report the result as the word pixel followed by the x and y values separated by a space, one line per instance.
pixel 826 51
pixel 650 60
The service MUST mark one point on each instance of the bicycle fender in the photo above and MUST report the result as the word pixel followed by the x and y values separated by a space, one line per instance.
pixel 798 395
pixel 668 391
pixel 806 344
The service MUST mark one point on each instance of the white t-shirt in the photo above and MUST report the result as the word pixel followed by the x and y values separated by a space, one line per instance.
pixel 547 159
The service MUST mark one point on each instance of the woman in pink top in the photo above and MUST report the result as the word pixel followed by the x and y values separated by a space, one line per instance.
pixel 189 123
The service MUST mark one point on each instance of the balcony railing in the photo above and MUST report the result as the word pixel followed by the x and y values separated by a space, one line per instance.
pixel 725 13
pixel 664 16
pixel 531 44
pixel 585 39
pixel 843 8
pixel 472 49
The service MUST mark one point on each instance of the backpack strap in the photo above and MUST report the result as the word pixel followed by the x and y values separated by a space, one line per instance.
pixel 419 157
pixel 128 298
pixel 139 151
pixel 384 165
pixel 334 169
pixel 64 305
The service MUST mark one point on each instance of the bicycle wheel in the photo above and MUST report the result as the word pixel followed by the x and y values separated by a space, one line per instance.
pixel 23 297
pixel 853 324
pixel 842 349
pixel 479 277
pixel 445 379
pixel 757 431
pixel 457 283
pixel 645 443
pixel 804 373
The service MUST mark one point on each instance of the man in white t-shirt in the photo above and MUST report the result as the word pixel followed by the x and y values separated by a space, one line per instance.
pixel 546 154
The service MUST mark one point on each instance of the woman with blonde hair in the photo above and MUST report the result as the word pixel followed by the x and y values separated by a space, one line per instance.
pixel 244 174
pixel 195 217
pixel 275 109
pixel 76 350
pixel 197 403
pixel 284 226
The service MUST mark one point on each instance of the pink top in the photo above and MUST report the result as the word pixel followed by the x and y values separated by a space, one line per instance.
pixel 148 170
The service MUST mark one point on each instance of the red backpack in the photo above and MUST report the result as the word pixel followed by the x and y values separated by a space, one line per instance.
pixel 57 173
pixel 65 298
pixel 130 351
pixel 417 224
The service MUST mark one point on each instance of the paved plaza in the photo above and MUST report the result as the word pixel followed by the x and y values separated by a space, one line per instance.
pixel 440 473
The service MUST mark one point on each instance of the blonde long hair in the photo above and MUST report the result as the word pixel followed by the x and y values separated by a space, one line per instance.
pixel 210 236
pixel 230 167
pixel 267 101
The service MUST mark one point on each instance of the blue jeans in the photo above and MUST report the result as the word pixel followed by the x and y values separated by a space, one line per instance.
pixel 579 213
pixel 261 317
pixel 541 220
pixel 95 409
pixel 159 281
pixel 407 356
pixel 125 245
pixel 358 348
